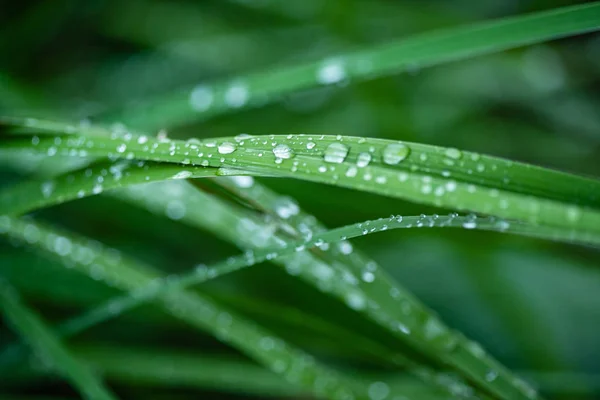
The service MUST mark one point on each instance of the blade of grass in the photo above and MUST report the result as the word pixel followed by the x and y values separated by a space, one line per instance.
pixel 92 180
pixel 114 269
pixel 43 341
pixel 373 286
pixel 440 340
pixel 442 177
pixel 420 51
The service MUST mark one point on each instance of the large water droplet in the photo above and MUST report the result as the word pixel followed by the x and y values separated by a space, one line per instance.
pixel 226 148
pixel 336 153
pixel 394 153
pixel 283 151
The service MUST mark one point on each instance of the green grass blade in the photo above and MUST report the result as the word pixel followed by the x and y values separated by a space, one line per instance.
pixel 416 325
pixel 442 177
pixel 92 180
pixel 43 341
pixel 92 259
pixel 419 51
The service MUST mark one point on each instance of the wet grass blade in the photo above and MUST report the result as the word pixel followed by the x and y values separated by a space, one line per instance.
pixel 442 177
pixel 44 342
pixel 207 100
pixel 92 180
pixel 114 269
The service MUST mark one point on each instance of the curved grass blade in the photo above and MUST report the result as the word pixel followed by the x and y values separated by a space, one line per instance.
pixel 442 177
pixel 92 180
pixel 440 340
pixel 420 51
pixel 43 341
pixel 114 269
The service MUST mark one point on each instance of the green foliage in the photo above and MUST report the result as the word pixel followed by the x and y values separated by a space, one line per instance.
pixel 328 320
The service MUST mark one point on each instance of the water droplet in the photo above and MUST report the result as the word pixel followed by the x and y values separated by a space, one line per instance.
pixel 453 153
pixel 121 148
pixel 378 391
pixel 286 207
pixel 47 188
pixel 226 148
pixel 394 153
pixel 243 181
pixel 336 153
pixel 368 276
pixel 283 151
pixel 175 209
pixel 201 98
pixel 267 343
pixel 363 160
pixel 236 95
pixel 470 225
pixel 491 376
pixel 182 175
pixel 345 247
pixel 331 72
pixel 310 145
pixel 62 246
pixel 142 139
pixel 355 300
pixel 351 172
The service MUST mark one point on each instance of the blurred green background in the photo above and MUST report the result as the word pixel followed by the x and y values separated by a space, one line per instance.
pixel 535 305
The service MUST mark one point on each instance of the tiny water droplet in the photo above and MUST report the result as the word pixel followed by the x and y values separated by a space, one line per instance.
pixel 453 153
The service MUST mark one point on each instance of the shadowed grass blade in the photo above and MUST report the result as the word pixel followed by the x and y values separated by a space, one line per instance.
pixel 207 100
pixel 43 341
pixel 114 269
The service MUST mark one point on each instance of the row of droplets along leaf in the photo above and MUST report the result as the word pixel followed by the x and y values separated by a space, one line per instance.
pixel 354 300
pixel 378 289
pixel 249 232
pixel 446 162
pixel 380 177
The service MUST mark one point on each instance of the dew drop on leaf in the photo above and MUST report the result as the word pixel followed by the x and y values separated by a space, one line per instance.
pixel 378 391
pixel 283 151
pixel 201 98
pixel 453 153
pixel 226 148
pixel 182 175
pixel 331 72
pixel 236 95
pixel 363 160
pixel 394 153
pixel 336 153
